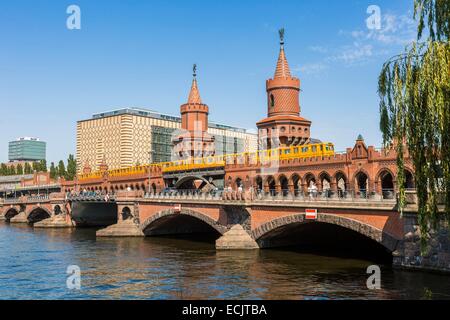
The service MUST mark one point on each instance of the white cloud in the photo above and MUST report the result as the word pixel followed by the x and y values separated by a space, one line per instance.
pixel 364 45
pixel 357 53
pixel 395 30
pixel 318 49
pixel 312 68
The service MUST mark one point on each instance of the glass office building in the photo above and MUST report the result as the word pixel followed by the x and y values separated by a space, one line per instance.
pixel 27 149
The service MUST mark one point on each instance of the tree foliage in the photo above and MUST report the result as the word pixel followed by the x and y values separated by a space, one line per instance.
pixel 53 171
pixel 414 89
pixel 71 168
pixel 61 169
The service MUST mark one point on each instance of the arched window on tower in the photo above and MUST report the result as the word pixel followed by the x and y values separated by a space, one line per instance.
pixel 272 101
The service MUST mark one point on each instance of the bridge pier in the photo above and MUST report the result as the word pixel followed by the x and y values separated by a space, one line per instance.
pixel 19 218
pixel 59 218
pixel 236 239
pixel 127 222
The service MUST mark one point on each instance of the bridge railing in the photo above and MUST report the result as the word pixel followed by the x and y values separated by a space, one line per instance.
pixel 387 196
pixel 13 200
pixel 186 195
pixel 38 198
pixel 91 196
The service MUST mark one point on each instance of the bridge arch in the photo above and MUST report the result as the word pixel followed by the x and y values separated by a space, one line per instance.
pixel 325 180
pixel 188 181
pixel 385 181
pixel 308 178
pixel 259 183
pixel 361 181
pixel 296 181
pixel 409 179
pixel 283 182
pixel 270 182
pixel 36 214
pixel 158 224
pixel 11 213
pixel 341 180
pixel 265 232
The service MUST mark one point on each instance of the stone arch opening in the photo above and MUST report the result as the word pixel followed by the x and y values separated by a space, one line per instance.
pixel 38 214
pixel 153 188
pixel 325 183
pixel 11 213
pixel 329 235
pixel 341 183
pixel 259 184
pixel 386 181
pixel 296 183
pixel 238 183
pixel 271 184
pixel 192 183
pixel 409 180
pixel 362 184
pixel 309 180
pixel 284 185
pixel 57 210
pixel 185 223
pixel 126 214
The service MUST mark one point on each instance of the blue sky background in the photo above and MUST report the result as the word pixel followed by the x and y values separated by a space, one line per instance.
pixel 140 53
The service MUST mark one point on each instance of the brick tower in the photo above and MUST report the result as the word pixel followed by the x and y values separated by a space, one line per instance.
pixel 194 139
pixel 283 126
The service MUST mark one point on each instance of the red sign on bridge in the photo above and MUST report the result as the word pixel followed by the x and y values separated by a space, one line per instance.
pixel 311 214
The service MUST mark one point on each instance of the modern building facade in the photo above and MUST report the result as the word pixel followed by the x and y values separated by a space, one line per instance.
pixel 27 149
pixel 125 137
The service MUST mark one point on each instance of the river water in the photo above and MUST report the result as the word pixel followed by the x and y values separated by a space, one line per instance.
pixel 33 265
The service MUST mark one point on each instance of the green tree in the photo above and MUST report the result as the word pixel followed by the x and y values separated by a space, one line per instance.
pixel 414 88
pixel 19 169
pixel 53 171
pixel 3 170
pixel 36 166
pixel 11 170
pixel 71 168
pixel 43 165
pixel 61 169
pixel 27 168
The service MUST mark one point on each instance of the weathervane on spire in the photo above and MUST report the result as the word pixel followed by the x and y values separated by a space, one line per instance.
pixel 194 69
pixel 281 33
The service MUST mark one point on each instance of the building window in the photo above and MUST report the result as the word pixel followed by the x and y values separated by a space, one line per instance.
pixel 272 101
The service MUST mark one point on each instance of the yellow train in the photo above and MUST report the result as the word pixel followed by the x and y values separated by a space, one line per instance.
pixel 263 156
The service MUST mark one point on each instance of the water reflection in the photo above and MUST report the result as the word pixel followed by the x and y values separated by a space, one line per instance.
pixel 33 265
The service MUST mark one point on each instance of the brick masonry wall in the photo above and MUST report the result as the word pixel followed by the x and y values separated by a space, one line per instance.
pixel 437 255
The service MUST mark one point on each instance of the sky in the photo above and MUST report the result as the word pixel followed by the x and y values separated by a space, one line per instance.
pixel 136 53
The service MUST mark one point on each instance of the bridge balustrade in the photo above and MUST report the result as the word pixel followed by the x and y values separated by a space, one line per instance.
pixel 349 196
pixel 196 195
pixel 38 198
pixel 91 196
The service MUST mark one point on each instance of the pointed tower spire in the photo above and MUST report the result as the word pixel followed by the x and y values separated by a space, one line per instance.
pixel 282 70
pixel 194 95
